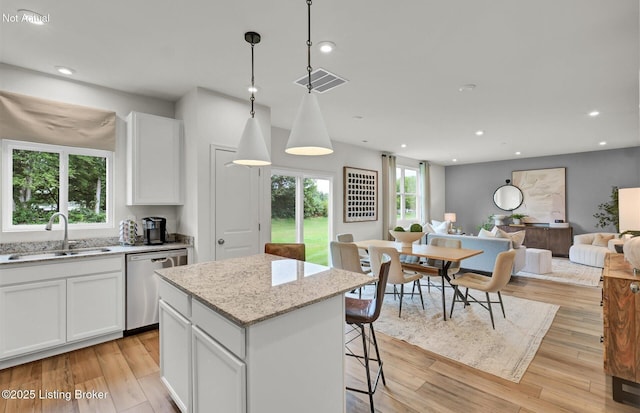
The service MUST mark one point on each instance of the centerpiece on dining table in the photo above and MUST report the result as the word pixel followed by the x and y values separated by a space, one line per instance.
pixel 407 237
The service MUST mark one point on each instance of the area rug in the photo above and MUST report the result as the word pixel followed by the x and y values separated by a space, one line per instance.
pixel 565 271
pixel 467 337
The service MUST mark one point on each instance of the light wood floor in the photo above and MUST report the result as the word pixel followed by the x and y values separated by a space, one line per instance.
pixel 566 374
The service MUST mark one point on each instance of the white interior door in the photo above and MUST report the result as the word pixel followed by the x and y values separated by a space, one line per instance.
pixel 236 202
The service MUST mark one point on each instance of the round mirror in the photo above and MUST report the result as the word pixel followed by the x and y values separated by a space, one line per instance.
pixel 508 197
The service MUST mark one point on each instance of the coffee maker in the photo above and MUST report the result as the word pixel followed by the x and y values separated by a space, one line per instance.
pixel 154 230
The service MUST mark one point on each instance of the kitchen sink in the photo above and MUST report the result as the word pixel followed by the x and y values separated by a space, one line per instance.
pixel 56 254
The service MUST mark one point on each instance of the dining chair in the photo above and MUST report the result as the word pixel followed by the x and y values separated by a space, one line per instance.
pixel 359 313
pixel 344 255
pixel 364 257
pixel 489 284
pixel 397 276
pixel 295 251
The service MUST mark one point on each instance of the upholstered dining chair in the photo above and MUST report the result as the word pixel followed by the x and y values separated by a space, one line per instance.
pixel 344 255
pixel 359 313
pixel 493 284
pixel 295 251
pixel 397 276
pixel 364 257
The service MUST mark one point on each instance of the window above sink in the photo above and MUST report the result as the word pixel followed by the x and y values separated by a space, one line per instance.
pixel 39 180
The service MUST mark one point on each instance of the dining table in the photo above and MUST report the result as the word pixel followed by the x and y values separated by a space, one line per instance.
pixel 445 255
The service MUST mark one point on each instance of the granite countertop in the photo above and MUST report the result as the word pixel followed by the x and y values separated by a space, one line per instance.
pixel 252 289
pixel 88 252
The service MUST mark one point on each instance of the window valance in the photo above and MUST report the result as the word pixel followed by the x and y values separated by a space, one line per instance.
pixel 32 119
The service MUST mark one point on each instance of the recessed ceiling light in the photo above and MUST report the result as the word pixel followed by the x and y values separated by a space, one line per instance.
pixel 404 145
pixel 65 70
pixel 326 46
pixel 602 143
pixel 33 17
pixel 454 160
pixel 467 88
pixel 365 141
pixel 518 153
pixel 479 132
pixel 594 113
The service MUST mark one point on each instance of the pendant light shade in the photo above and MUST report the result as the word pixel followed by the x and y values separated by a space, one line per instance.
pixel 252 150
pixel 309 134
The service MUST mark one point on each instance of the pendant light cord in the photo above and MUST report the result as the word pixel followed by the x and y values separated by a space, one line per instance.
pixel 253 88
pixel 309 44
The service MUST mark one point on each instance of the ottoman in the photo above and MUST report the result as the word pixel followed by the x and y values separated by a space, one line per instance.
pixel 537 261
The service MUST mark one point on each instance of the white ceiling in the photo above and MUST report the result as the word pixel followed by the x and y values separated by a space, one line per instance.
pixel 539 65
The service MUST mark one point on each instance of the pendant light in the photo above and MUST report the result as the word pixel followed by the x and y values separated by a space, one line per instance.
pixel 309 134
pixel 252 150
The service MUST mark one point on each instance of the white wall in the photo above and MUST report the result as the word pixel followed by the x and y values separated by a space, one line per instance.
pixel 211 118
pixel 18 80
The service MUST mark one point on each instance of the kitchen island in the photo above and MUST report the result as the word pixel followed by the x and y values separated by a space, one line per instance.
pixel 254 334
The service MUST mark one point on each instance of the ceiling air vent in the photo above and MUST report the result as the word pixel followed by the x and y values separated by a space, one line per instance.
pixel 322 80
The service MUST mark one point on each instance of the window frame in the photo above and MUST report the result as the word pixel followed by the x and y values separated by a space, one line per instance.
pixel 402 194
pixel 8 146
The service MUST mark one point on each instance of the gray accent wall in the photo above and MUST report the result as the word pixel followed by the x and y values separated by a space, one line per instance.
pixel 589 178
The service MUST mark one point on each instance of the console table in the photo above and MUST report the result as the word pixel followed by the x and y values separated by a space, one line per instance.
pixel 621 325
pixel 558 240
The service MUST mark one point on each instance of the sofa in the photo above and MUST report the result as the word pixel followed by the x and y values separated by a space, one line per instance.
pixel 583 251
pixel 491 247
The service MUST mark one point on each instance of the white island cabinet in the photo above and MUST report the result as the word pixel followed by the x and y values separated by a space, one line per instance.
pixel 265 334
pixel 154 160
pixel 49 308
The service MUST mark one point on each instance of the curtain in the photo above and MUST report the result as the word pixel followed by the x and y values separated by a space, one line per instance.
pixel 425 188
pixel 32 119
pixel 389 212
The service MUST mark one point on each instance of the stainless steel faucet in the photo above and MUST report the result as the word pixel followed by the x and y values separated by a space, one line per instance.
pixel 65 241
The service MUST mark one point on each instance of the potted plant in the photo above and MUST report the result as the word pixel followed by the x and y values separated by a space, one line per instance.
pixel 517 218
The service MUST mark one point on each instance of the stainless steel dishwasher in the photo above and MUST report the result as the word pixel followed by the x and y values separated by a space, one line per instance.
pixel 142 286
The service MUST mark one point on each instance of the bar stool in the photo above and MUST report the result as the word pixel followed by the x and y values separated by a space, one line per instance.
pixel 360 312
pixel 288 250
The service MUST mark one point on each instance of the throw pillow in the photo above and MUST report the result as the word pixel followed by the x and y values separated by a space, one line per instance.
pixel 427 228
pixel 495 230
pixel 485 234
pixel 601 240
pixel 441 227
pixel 517 238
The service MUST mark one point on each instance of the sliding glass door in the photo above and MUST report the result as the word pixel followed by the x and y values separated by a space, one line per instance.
pixel 301 212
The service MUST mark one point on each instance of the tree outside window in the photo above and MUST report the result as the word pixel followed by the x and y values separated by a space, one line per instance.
pixel 44 179
pixel 407 196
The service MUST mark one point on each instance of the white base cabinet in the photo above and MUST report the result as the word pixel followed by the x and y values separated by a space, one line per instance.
pixel 50 308
pixel 175 355
pixel 287 364
pixel 219 377
pixel 94 305
pixel 32 317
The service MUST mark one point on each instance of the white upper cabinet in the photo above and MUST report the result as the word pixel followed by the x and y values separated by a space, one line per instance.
pixel 155 156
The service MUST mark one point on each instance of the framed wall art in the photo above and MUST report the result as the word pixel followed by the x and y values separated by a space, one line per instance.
pixel 360 195
pixel 544 194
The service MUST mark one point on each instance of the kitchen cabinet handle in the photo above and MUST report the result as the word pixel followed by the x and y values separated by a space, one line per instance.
pixel 634 288
pixel 220 241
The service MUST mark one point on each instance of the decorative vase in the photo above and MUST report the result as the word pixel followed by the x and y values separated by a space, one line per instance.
pixel 632 253
pixel 516 221
pixel 406 238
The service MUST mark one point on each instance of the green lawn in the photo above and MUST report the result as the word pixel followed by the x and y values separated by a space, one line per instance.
pixel 316 236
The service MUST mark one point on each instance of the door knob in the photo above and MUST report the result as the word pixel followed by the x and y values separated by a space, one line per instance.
pixel 634 288
pixel 220 241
